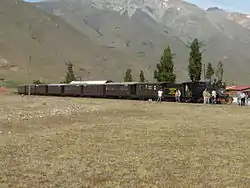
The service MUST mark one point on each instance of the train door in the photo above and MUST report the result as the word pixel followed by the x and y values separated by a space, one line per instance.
pixel 25 90
pixel 133 89
pixel 46 89
pixel 62 89
pixel 82 88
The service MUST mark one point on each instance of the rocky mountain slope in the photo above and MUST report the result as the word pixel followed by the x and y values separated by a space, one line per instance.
pixel 28 31
pixel 242 19
pixel 142 28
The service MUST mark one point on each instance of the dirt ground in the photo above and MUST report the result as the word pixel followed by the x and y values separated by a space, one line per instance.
pixel 77 142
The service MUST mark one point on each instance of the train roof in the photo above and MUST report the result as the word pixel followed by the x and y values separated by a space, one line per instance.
pixel 144 83
pixel 91 82
pixel 121 83
pixel 157 83
pixel 57 84
pixel 40 84
pixel 200 82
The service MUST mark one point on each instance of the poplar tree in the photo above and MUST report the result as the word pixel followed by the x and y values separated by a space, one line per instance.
pixel 165 68
pixel 220 71
pixel 70 76
pixel 219 74
pixel 209 72
pixel 128 76
pixel 142 78
pixel 195 64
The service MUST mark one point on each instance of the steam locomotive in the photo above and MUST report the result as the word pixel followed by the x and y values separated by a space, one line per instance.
pixel 190 91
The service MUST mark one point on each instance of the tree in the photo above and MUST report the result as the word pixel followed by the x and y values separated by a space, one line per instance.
pixel 219 71
pixel 37 82
pixel 209 72
pixel 218 81
pixel 142 78
pixel 165 69
pixel 195 65
pixel 128 76
pixel 70 76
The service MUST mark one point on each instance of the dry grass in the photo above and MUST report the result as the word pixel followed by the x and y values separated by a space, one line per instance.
pixel 74 142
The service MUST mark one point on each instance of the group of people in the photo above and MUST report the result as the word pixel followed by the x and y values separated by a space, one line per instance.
pixel 209 98
pixel 242 98
pixel 177 95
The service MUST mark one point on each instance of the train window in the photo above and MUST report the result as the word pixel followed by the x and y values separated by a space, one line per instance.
pixel 154 87
pixel 150 87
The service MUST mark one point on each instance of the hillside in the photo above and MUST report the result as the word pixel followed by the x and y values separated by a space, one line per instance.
pixel 240 18
pixel 26 30
pixel 143 28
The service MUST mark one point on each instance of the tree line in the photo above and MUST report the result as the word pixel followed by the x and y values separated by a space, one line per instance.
pixel 164 71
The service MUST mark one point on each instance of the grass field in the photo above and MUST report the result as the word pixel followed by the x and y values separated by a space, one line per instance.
pixel 74 142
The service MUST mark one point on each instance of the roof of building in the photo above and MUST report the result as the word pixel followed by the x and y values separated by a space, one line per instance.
pixel 237 88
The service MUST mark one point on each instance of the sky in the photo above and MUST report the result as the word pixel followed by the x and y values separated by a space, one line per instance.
pixel 232 5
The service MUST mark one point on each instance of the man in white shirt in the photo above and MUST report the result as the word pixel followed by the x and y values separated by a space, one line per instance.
pixel 205 97
pixel 246 99
pixel 160 92
pixel 243 99
pixel 213 97
pixel 238 95
pixel 177 95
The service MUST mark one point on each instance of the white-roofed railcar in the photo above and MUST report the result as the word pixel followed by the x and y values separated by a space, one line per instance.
pixel 120 90
pixel 56 89
pixel 91 82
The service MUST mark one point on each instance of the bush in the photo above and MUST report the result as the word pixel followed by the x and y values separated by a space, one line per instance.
pixel 37 82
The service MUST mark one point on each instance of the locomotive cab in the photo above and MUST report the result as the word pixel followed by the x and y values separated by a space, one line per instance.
pixel 193 91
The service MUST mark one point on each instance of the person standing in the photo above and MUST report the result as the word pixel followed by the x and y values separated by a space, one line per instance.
pixel 243 99
pixel 177 95
pixel 238 95
pixel 214 97
pixel 208 97
pixel 246 102
pixel 205 96
pixel 160 92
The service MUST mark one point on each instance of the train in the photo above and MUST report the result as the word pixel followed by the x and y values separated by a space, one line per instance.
pixel 190 91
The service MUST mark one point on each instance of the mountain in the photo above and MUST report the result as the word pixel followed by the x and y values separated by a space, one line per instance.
pixel 242 19
pixel 51 42
pixel 214 9
pixel 144 27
